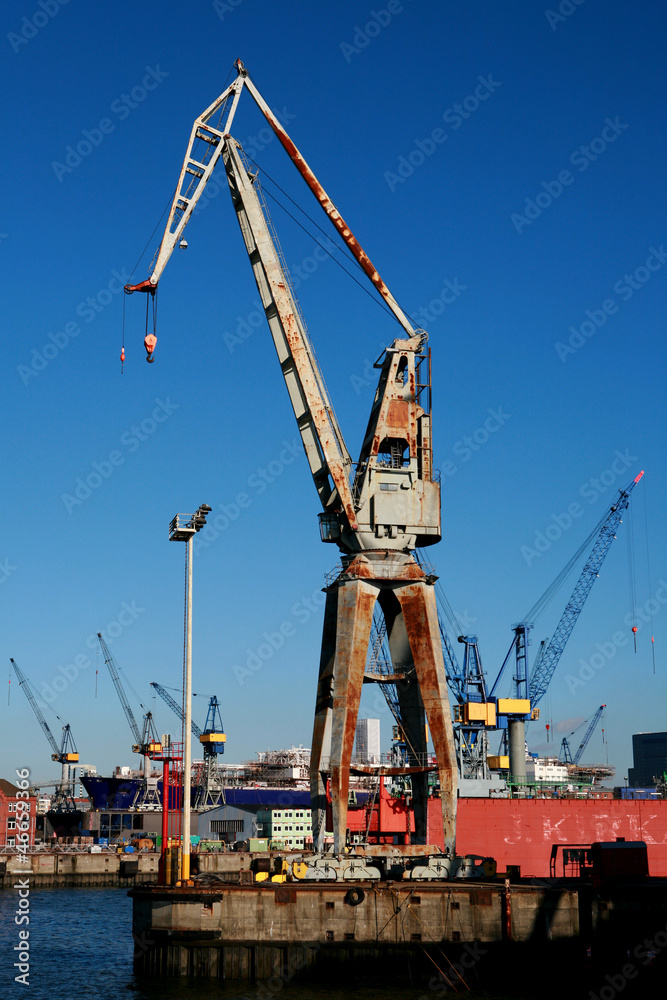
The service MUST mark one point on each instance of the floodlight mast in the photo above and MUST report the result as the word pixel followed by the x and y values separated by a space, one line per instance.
pixel 377 514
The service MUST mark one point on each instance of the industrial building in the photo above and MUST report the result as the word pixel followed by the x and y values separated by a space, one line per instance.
pixel 649 756
pixel 367 741
pixel 13 812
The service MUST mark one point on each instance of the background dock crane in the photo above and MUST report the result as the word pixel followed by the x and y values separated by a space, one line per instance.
pixel 66 754
pixel 377 513
pixel 476 712
pixel 146 742
pixel 210 791
pixel 530 687
pixel 565 754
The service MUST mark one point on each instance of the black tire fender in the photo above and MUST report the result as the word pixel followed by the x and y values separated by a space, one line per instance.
pixel 354 896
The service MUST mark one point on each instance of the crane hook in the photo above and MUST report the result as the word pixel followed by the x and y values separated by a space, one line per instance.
pixel 150 340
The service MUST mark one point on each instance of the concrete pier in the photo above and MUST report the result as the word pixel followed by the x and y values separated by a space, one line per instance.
pixel 228 927
pixel 80 869
pixel 249 931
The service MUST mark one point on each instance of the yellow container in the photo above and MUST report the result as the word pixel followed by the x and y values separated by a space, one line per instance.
pixel 513 706
pixel 498 763
pixel 480 711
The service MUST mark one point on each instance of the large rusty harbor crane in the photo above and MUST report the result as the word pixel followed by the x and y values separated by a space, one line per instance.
pixel 377 511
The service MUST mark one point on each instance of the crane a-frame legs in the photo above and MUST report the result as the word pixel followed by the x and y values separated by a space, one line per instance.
pixel 408 604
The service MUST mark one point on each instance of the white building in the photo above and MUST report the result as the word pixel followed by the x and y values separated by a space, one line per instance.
pixel 367 737
pixel 287 826
pixel 548 769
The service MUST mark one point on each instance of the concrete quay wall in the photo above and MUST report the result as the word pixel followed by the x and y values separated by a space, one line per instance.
pixel 74 869
pixel 258 931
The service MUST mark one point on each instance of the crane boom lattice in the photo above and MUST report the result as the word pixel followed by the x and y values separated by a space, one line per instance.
pixel 115 677
pixel 549 656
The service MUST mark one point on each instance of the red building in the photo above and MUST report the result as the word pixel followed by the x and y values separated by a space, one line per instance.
pixel 14 815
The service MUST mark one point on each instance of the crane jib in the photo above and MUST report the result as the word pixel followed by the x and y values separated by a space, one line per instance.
pixel 549 656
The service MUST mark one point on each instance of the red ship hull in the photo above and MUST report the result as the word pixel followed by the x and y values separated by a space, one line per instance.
pixel 522 831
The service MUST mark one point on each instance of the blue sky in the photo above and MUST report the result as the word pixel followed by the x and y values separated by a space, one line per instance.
pixel 502 164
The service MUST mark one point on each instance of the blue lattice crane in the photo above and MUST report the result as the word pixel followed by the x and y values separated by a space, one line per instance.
pixel 66 754
pixel 208 789
pixel 175 707
pixel 530 689
pixel 474 715
pixel 565 753
pixel 212 737
pixel 550 654
pixel 147 742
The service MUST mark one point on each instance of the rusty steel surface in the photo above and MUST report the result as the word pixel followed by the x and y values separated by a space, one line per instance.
pixel 408 603
pixel 356 601
pixel 383 678
pixel 386 565
pixel 421 620
pixel 381 770
pixel 321 742
pixel 299 351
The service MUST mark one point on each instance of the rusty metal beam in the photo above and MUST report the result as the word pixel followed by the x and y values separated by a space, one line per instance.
pixel 421 620
pixel 356 601
pixel 321 744
pixel 408 604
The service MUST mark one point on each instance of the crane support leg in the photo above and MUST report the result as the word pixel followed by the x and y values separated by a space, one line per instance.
pixel 421 620
pixel 321 745
pixel 408 601
pixel 412 714
pixel 356 601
